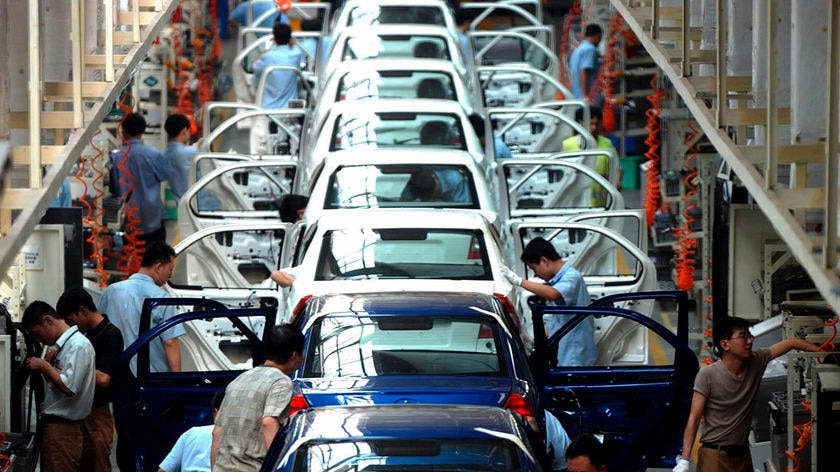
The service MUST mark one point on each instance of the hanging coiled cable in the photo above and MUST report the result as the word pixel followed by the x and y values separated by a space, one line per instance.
pixel 686 246
pixel 95 209
pixel 652 186
pixel 572 17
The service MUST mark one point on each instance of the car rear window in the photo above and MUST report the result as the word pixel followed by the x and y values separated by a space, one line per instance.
pixel 364 82
pixel 400 186
pixel 363 129
pixel 394 46
pixel 361 346
pixel 403 253
pixel 410 454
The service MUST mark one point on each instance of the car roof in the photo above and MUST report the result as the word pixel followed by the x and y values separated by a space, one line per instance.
pixel 401 29
pixel 405 303
pixel 402 218
pixel 427 421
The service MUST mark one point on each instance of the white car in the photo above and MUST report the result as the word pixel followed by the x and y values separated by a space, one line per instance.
pixel 393 41
pixel 400 249
pixel 397 78
pixel 390 124
pixel 367 12
pixel 387 178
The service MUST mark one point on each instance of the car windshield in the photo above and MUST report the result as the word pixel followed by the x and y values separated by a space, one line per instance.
pixel 364 82
pixel 371 14
pixel 410 185
pixel 364 129
pixel 387 455
pixel 360 346
pixel 393 46
pixel 410 253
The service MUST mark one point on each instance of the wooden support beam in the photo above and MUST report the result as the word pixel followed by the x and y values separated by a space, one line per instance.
pixel 49 120
pixel 92 91
pixel 20 155
pixel 126 17
pixel 753 116
pixel 100 59
pixel 788 154
pixel 19 198
pixel 803 198
pixel 734 83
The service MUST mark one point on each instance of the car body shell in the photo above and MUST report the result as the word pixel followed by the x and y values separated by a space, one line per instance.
pixel 414 348
pixel 322 183
pixel 409 427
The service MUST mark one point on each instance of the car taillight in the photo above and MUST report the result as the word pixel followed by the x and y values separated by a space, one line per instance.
pixel 519 403
pixel 475 249
pixel 510 311
pixel 485 332
pixel 298 403
pixel 299 307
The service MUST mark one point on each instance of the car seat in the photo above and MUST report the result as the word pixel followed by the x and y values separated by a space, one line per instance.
pixel 431 88
pixel 427 49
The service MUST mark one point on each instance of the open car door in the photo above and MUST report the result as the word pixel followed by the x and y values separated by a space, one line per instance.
pixel 257 132
pixel 639 408
pixel 541 128
pixel 152 409
pixel 245 190
pixel 610 263
pixel 556 188
pixel 231 264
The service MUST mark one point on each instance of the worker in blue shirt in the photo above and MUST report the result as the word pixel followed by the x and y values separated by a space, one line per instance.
pixel 147 170
pixel 499 147
pixel 282 85
pixel 239 16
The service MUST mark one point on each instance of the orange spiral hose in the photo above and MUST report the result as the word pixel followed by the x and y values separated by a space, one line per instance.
pixel 572 17
pixel 95 211
pixel 653 196
pixel 606 74
pixel 686 246
pixel 803 432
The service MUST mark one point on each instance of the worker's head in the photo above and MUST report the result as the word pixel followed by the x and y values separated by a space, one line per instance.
pixel 133 126
pixel 541 257
pixel 75 306
pixel 282 33
pixel 291 207
pixel 41 320
pixel 595 120
pixel 424 185
pixel 593 33
pixel 586 454
pixel 435 133
pixel 477 123
pixel 731 332
pixel 158 261
pixel 177 126
pixel 463 18
pixel 284 345
pixel 216 402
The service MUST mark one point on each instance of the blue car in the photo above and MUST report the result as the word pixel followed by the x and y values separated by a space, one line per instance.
pixel 412 348
pixel 384 438
pixel 422 349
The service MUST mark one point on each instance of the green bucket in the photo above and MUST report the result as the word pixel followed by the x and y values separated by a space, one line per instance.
pixel 630 171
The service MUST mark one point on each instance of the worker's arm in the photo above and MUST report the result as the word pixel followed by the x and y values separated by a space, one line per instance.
pixel 283 278
pixel 541 290
pixel 698 404
pixel 584 76
pixel 102 379
pixel 50 373
pixel 172 348
pixel 270 426
pixel 783 347
pixel 217 433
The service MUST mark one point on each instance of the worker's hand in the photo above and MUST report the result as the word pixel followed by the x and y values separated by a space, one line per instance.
pixel 682 465
pixel 510 275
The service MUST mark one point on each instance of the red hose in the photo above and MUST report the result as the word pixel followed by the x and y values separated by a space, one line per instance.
pixel 573 16
pixel 653 197
pixel 686 246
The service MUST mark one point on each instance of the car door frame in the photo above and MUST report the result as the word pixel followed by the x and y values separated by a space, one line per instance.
pixel 169 403
pixel 677 379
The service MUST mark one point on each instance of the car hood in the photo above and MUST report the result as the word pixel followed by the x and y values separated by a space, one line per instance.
pixel 405 389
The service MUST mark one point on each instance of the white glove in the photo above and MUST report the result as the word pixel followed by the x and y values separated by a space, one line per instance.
pixel 682 465
pixel 510 275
